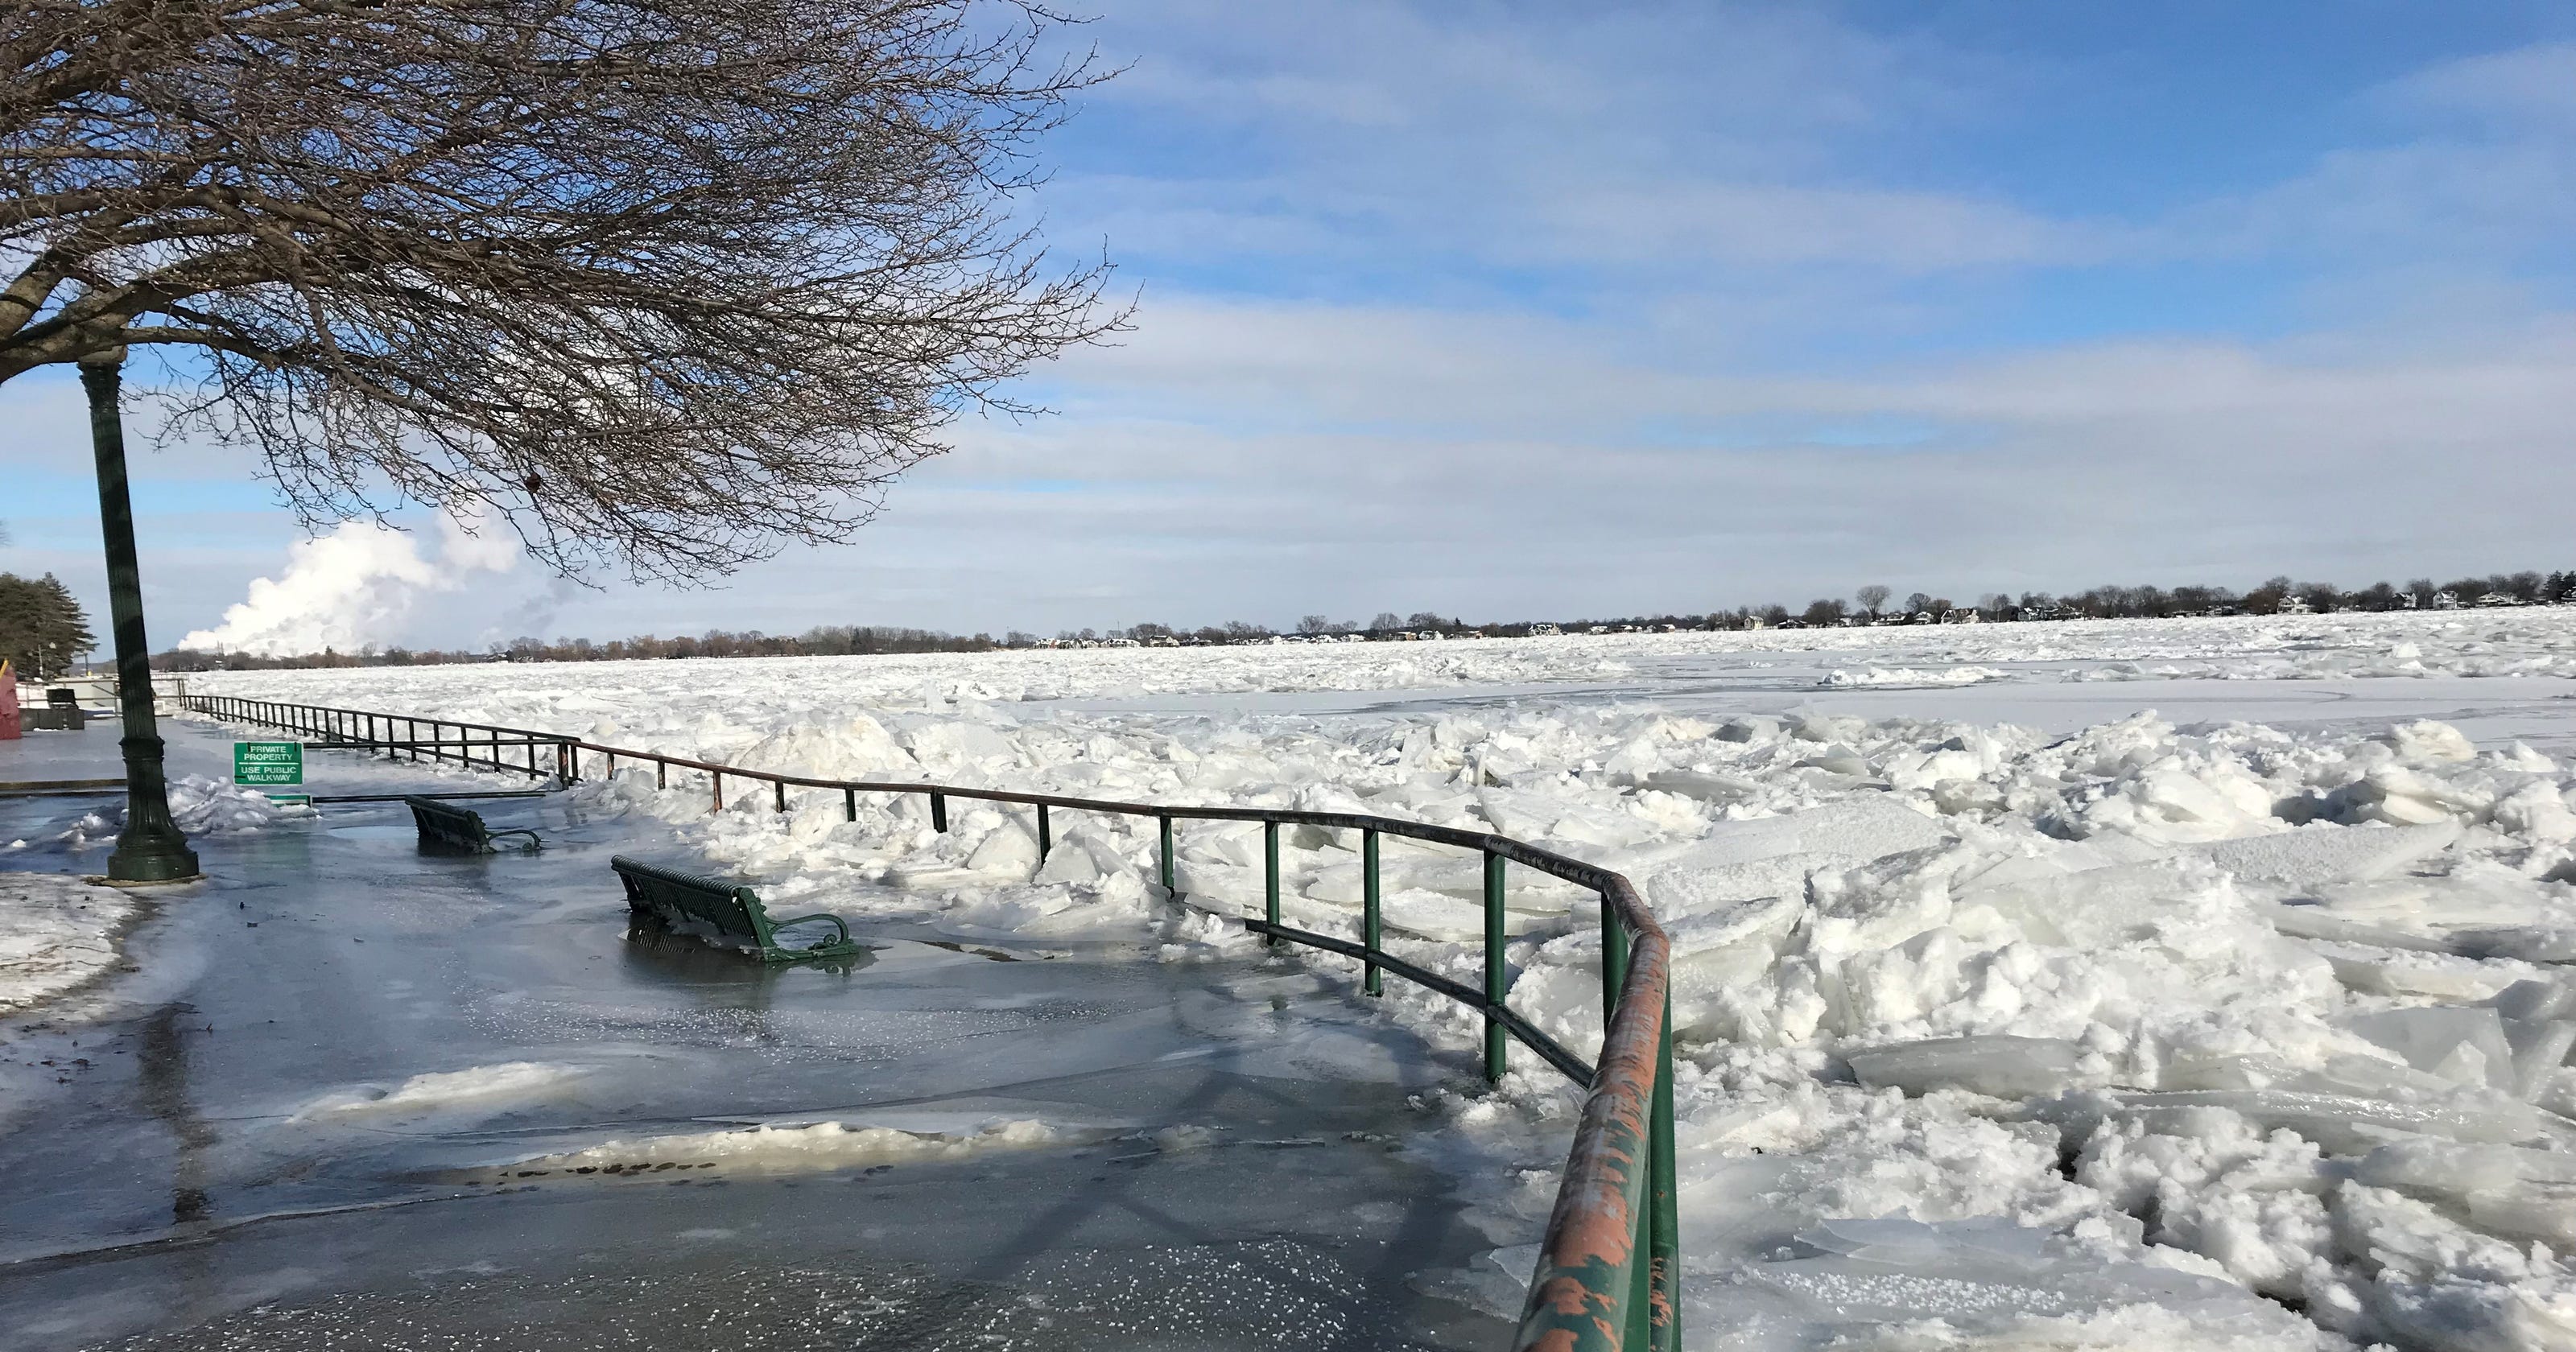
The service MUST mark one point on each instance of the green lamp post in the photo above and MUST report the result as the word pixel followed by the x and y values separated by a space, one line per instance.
pixel 151 849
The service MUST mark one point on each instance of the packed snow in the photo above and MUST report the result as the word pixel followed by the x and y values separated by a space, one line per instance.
pixel 199 805
pixel 2147 1036
pixel 785 1149
pixel 57 933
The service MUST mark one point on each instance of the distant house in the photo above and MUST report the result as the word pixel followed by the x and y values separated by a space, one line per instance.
pixel 1543 630
pixel 1793 624
pixel 1961 615
pixel 1923 617
pixel 2494 599
pixel 2443 600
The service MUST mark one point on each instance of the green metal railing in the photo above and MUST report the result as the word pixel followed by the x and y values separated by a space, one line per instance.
pixel 1609 1264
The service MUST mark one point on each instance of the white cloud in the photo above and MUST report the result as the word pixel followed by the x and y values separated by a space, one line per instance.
pixel 352 589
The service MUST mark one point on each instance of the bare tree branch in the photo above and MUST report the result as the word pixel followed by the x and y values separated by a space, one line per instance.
pixel 666 282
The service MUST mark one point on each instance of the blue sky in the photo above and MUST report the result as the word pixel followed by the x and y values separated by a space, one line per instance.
pixel 1520 309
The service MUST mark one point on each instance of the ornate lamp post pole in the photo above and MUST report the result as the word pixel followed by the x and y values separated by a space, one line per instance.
pixel 151 850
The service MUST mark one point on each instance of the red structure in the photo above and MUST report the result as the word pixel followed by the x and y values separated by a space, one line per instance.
pixel 9 730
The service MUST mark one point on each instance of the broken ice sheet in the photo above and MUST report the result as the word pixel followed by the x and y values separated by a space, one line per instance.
pixel 1985 1277
pixel 2000 1067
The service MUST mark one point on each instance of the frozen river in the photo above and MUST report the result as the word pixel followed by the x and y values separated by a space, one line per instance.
pixel 2160 985
pixel 338 1104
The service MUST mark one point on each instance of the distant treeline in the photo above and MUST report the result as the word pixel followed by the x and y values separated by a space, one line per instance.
pixel 1872 602
pixel 830 640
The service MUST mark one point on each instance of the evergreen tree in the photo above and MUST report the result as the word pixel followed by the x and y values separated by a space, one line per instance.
pixel 42 629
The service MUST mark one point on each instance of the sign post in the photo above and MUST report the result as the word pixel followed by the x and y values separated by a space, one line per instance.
pixel 264 764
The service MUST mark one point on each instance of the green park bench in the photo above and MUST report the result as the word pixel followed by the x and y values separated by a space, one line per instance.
pixel 735 913
pixel 460 828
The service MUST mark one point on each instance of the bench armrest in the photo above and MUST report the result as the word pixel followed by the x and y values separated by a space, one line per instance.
pixel 837 924
pixel 535 842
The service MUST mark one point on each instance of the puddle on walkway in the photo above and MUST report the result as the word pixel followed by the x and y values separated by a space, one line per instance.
pixel 312 1134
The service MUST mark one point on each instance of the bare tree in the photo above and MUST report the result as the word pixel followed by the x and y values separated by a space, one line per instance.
pixel 1871 598
pixel 665 282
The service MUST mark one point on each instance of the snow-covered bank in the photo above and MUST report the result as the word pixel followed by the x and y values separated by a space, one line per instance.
pixel 2208 1036
pixel 57 932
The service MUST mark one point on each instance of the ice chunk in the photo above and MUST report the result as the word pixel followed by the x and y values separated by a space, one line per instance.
pixel 2455 1169
pixel 2552 999
pixel 1870 826
pixel 2529 943
pixel 2429 740
pixel 2343 1123
pixel 2318 854
pixel 2316 922
pixel 1982 1278
pixel 1007 853
pixel 2461 1044
pixel 2540 1047
pixel 2000 1067
pixel 1706 787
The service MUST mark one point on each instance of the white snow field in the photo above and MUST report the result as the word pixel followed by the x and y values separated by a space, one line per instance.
pixel 2010 1013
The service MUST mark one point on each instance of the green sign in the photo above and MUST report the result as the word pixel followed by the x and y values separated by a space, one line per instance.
pixel 268 762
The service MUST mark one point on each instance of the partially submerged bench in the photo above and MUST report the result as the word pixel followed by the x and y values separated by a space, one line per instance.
pixel 734 913
pixel 460 828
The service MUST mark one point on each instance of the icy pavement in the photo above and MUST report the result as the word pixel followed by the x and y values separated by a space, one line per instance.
pixel 2011 1011
pixel 355 1095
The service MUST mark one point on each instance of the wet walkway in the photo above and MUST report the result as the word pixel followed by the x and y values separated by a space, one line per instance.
pixel 345 1103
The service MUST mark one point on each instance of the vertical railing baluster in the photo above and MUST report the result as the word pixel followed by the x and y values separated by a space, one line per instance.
pixel 1494 971
pixel 939 812
pixel 1270 880
pixel 849 805
pixel 1168 889
pixel 718 777
pixel 1614 959
pixel 1046 834
pixel 1664 1243
pixel 781 797
pixel 1369 915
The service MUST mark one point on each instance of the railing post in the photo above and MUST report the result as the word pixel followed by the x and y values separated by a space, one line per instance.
pixel 661 773
pixel 849 805
pixel 1168 889
pixel 1369 918
pixel 718 777
pixel 781 796
pixel 1270 879
pixel 1614 959
pixel 1664 1246
pixel 939 812
pixel 1495 989
pixel 1046 834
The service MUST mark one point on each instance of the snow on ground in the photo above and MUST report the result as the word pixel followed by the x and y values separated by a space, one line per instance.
pixel 56 932
pixel 2147 1036
pixel 200 806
